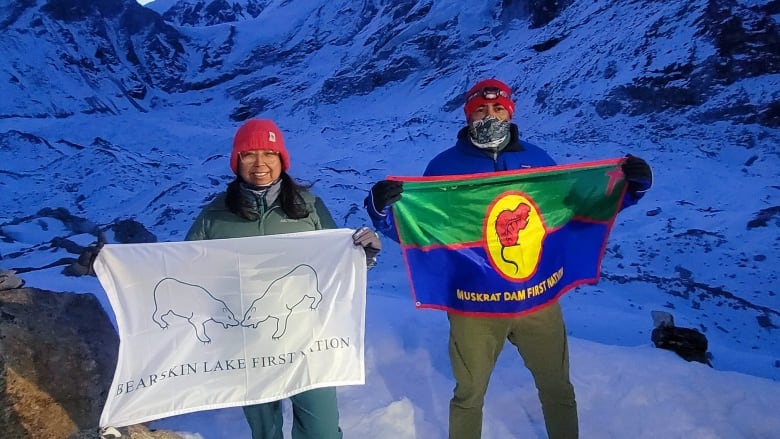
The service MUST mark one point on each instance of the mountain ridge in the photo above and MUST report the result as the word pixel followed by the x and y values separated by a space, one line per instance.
pixel 114 113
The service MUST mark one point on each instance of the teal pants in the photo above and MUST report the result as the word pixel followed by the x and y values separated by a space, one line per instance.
pixel 315 416
pixel 540 338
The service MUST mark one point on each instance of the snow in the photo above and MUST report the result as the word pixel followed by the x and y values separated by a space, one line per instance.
pixel 175 157
pixel 628 389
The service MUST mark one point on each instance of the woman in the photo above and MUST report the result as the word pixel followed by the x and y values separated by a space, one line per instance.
pixel 265 200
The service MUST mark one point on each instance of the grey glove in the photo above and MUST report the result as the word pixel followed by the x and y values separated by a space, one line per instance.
pixel 369 240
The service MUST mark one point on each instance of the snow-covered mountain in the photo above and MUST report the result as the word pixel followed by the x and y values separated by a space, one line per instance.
pixel 113 111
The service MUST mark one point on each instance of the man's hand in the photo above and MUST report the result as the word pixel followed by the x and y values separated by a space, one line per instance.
pixel 638 174
pixel 383 194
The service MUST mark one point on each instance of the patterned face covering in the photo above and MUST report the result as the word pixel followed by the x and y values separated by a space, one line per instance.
pixel 489 133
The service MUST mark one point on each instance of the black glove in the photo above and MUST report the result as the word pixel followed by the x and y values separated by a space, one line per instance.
pixel 383 194
pixel 638 174
pixel 369 240
pixel 86 261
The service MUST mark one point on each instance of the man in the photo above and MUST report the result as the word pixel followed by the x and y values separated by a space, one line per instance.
pixel 490 143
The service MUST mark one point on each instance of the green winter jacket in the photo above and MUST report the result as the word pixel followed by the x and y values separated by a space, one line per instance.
pixel 217 222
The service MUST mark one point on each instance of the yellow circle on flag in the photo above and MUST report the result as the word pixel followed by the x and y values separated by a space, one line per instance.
pixel 513 235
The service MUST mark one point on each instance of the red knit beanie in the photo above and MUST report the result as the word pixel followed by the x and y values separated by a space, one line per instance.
pixel 259 135
pixel 476 96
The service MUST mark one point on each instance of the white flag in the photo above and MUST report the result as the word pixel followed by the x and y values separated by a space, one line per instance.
pixel 232 322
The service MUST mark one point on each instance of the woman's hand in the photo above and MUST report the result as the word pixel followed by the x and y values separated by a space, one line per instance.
pixel 369 240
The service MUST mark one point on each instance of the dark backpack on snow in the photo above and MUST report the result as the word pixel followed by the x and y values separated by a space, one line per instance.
pixel 688 343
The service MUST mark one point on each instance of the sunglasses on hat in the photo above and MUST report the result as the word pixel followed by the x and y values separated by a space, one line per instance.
pixel 488 93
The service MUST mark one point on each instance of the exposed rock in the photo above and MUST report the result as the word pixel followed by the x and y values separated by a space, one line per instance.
pixel 141 49
pixel 57 357
pixel 745 40
pixel 131 231
pixel 763 218
pixel 545 11
pixel 208 13
pixel 9 280
pixel 141 432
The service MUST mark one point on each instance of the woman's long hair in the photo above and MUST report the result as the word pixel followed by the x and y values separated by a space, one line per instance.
pixel 290 199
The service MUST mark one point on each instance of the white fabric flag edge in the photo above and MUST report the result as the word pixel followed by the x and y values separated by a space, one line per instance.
pixel 108 281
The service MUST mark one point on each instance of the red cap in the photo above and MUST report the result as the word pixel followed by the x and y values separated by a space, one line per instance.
pixel 258 135
pixel 476 96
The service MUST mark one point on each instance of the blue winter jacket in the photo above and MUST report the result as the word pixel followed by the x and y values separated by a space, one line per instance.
pixel 465 158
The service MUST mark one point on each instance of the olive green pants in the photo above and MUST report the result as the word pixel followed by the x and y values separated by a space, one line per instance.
pixel 315 416
pixel 540 338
